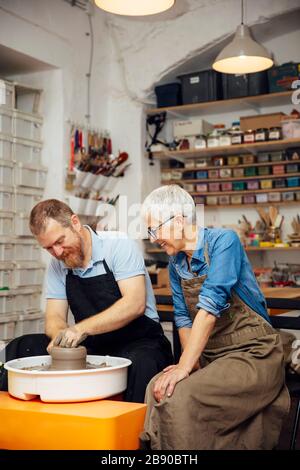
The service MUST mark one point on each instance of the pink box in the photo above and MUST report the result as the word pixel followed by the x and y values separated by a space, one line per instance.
pixel 214 187
pixel 226 186
pixel 252 185
pixel 249 199
pixel 201 188
pixel 278 169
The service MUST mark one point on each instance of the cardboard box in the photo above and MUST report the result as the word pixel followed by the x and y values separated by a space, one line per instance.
pixel 261 120
pixel 191 127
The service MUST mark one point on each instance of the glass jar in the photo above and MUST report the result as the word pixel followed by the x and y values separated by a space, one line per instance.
pixel 274 133
pixel 225 139
pixel 261 135
pixel 200 142
pixel 236 133
pixel 249 136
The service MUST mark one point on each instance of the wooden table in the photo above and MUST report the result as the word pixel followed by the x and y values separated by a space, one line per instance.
pixel 94 425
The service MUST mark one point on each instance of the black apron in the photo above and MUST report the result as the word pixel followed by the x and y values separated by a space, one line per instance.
pixel 142 340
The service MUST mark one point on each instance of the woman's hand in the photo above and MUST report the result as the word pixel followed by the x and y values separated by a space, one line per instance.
pixel 166 383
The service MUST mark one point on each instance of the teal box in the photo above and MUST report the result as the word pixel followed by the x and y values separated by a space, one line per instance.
pixel 238 185
pixel 291 182
pixel 201 175
pixel 282 76
pixel 250 171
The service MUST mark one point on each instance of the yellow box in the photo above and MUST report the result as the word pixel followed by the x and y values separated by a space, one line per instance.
pixel 266 184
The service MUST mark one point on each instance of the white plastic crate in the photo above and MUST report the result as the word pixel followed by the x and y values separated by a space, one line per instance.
pixel 27 126
pixel 6 173
pixel 28 274
pixel 7 94
pixel 27 151
pixel 6 249
pixel 8 326
pixel 6 224
pixel 26 199
pixel 21 225
pixel 6 199
pixel 6 121
pixel 26 250
pixel 7 303
pixel 30 323
pixel 31 177
pixel 27 300
pixel 6 147
pixel 6 275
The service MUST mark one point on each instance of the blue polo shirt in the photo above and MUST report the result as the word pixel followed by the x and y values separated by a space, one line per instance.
pixel 123 258
pixel 229 270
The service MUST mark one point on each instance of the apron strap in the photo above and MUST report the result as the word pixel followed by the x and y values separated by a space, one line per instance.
pixel 107 270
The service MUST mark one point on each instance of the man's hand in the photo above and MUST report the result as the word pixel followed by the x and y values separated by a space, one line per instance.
pixel 166 383
pixel 69 337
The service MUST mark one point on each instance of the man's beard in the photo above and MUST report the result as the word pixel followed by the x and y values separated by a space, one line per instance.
pixel 74 257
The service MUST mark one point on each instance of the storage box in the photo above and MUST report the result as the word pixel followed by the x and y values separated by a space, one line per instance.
pixel 6 121
pixel 201 175
pixel 213 173
pixel 252 185
pixel 27 126
pixel 28 274
pixel 6 249
pixel 224 200
pixel 199 199
pixel 291 182
pixel 6 199
pixel 249 158
pixel 292 168
pixel 201 163
pixel 189 175
pixel 277 156
pixel 291 129
pixel 279 183
pixel 6 275
pixel 26 250
pixel 297 195
pixel 259 121
pixel 236 199
pixel 250 171
pixel 188 187
pixel 7 303
pixel 266 184
pixel 282 76
pixel 238 85
pixel 233 160
pixel 225 173
pixel 201 188
pixel 191 127
pixel 6 224
pixel 288 196
pixel 201 86
pixel 28 176
pixel 264 170
pixel 168 95
pixel 263 157
pixel 213 187
pixel 21 225
pixel 6 147
pixel 274 197
pixel 261 198
pixel 211 200
pixel 28 152
pixel 26 199
pixel 6 173
pixel 189 164
pixel 175 175
pixel 278 169
pixel 238 185
pixel 249 199
pixel 238 172
pixel 226 186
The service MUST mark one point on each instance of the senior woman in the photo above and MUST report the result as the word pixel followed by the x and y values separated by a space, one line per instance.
pixel 227 390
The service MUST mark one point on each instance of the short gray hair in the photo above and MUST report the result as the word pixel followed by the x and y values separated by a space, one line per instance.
pixel 169 200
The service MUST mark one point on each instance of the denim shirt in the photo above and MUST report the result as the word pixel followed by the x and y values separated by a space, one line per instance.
pixel 229 270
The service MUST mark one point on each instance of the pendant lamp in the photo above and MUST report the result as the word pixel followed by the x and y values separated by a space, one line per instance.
pixel 134 7
pixel 243 54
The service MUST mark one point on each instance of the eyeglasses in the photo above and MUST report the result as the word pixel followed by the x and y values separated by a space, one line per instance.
pixel 152 232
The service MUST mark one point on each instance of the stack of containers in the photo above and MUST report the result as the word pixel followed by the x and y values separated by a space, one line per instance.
pixel 22 180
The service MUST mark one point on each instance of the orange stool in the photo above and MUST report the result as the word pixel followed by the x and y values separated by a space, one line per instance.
pixel 98 425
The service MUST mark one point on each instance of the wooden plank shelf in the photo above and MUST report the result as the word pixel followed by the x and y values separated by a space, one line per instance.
pixel 251 206
pixel 245 165
pixel 234 104
pixel 248 249
pixel 228 150
pixel 240 178
pixel 247 191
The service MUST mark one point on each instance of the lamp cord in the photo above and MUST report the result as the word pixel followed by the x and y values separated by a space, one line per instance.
pixel 242 11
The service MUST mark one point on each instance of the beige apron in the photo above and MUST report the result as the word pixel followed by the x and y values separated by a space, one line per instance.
pixel 238 400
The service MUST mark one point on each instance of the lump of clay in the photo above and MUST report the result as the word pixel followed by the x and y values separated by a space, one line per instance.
pixel 68 358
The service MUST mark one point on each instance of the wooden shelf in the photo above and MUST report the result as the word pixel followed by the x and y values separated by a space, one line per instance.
pixel 240 178
pixel 248 249
pixel 235 104
pixel 246 191
pixel 245 165
pixel 228 150
pixel 252 206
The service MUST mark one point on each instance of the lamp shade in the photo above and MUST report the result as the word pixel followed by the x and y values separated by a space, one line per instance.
pixel 243 55
pixel 135 7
